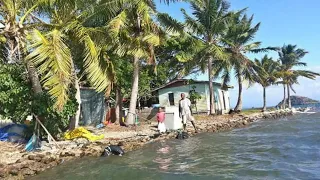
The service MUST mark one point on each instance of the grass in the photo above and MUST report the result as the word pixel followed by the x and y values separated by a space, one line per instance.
pixel 251 111
pixel 255 110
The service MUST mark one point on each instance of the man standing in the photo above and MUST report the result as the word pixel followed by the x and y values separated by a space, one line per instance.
pixel 185 112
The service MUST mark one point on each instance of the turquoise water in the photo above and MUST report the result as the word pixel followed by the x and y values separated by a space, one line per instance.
pixel 288 148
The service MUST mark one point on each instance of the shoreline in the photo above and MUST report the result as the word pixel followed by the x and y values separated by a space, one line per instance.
pixel 25 164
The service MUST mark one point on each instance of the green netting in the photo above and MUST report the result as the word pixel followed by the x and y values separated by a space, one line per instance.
pixel 92 107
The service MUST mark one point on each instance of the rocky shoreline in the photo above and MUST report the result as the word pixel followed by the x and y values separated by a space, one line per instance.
pixel 29 164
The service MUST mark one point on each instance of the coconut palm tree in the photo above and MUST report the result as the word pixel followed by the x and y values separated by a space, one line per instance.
pixel 267 70
pixel 208 24
pixel 16 19
pixel 290 56
pixel 238 41
pixel 69 44
pixel 136 33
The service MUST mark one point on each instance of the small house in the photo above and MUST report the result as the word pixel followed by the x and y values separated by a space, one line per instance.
pixel 198 92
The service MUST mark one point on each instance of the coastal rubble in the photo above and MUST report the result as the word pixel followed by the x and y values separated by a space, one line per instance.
pixel 24 164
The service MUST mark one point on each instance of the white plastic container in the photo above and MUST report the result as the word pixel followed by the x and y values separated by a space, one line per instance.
pixel 172 119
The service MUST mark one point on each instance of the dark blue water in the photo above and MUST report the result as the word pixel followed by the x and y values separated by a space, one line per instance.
pixel 273 149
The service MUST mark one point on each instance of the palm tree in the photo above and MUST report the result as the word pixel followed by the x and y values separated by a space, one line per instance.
pixel 290 56
pixel 238 41
pixel 208 24
pixel 16 19
pixel 267 70
pixel 136 34
pixel 70 43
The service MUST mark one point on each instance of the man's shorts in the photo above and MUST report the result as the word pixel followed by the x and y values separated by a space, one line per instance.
pixel 187 117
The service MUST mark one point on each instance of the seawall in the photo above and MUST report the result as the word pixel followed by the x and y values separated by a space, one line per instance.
pixel 22 164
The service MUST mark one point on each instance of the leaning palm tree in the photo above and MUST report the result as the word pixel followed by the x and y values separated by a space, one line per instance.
pixel 267 70
pixel 238 41
pixel 69 44
pixel 290 57
pixel 208 24
pixel 16 20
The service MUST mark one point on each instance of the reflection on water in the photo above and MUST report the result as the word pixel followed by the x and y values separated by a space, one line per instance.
pixel 284 149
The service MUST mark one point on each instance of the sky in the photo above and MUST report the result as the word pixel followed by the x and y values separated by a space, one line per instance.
pixel 282 22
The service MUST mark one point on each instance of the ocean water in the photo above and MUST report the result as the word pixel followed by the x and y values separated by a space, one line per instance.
pixel 288 148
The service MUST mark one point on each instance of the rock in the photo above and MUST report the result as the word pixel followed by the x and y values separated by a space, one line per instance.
pixel 80 145
pixel 37 158
pixel 27 172
pixel 81 141
pixel 31 157
pixel 82 154
pixel 54 163
pixel 63 154
pixel 245 122
pixel 46 160
pixel 40 155
pixel 35 167
pixel 3 173
pixel 14 171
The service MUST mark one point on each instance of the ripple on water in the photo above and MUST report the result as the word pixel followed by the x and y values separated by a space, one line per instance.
pixel 285 149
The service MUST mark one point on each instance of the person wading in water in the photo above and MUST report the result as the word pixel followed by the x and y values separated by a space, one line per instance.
pixel 185 112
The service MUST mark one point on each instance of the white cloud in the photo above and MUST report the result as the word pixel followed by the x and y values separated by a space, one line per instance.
pixel 253 97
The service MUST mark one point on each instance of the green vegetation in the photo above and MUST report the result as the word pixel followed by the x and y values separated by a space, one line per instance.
pixel 18 101
pixel 290 57
pixel 125 48
pixel 267 75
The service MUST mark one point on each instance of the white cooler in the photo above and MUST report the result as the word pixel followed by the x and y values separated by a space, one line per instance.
pixel 172 119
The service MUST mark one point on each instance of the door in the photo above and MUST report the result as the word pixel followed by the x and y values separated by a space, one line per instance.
pixel 171 99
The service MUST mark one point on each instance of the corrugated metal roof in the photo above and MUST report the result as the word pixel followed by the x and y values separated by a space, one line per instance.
pixel 186 80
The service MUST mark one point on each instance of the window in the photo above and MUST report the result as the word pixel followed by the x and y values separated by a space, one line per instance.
pixel 171 99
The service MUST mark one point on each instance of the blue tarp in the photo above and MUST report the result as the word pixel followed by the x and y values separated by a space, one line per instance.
pixel 33 143
pixel 13 133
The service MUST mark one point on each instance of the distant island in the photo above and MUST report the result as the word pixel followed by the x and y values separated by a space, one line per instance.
pixel 300 100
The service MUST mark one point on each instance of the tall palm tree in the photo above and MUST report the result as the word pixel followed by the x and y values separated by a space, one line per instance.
pixel 208 24
pixel 238 41
pixel 290 56
pixel 136 34
pixel 267 70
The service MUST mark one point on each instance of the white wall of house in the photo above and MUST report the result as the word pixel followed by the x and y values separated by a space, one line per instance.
pixel 203 105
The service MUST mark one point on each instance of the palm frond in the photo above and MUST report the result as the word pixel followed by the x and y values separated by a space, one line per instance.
pixel 54 59
pixel 169 23
pixel 97 76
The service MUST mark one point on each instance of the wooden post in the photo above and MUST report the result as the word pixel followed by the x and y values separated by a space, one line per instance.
pixel 45 129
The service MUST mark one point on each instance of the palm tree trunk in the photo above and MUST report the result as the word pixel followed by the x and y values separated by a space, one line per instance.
pixel 239 102
pixel 211 90
pixel 134 92
pixel 289 99
pixel 75 120
pixel 264 100
pixel 118 107
pixel 284 97
pixel 74 123
pixel 34 78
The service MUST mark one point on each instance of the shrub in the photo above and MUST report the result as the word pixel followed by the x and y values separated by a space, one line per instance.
pixel 17 101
